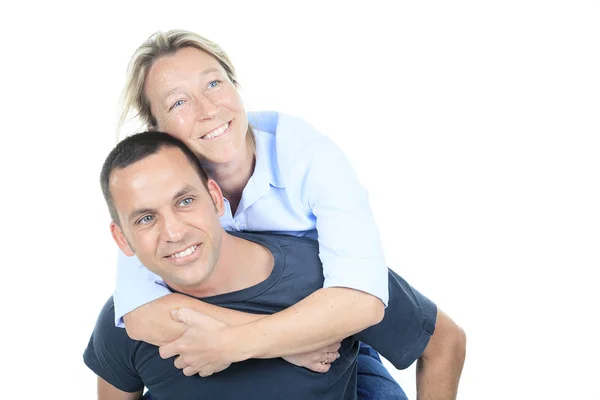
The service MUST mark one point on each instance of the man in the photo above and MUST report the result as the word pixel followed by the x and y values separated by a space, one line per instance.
pixel 166 211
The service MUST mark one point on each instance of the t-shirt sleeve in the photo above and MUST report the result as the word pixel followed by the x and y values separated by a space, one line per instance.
pixel 110 353
pixel 349 243
pixel 407 326
pixel 135 287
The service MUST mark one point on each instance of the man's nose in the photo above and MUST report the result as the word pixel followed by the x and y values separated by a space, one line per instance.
pixel 173 229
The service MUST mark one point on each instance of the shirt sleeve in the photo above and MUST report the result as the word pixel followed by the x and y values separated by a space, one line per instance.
pixel 408 324
pixel 110 353
pixel 135 287
pixel 349 243
pixel 317 173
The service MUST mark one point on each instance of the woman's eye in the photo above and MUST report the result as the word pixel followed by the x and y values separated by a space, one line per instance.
pixel 145 220
pixel 186 202
pixel 177 104
pixel 213 84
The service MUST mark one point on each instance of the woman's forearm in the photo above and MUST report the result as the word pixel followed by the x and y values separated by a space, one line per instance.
pixel 329 315
pixel 152 322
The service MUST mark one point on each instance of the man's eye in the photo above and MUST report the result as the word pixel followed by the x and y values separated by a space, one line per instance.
pixel 186 201
pixel 145 219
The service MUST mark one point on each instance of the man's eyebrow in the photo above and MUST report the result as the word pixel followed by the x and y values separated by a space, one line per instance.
pixel 185 190
pixel 205 72
pixel 135 214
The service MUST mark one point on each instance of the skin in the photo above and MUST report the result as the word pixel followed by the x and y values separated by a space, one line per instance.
pixel 106 391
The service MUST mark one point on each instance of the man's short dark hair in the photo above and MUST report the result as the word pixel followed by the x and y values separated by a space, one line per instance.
pixel 136 148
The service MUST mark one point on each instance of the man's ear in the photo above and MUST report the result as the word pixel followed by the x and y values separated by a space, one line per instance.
pixel 217 196
pixel 120 239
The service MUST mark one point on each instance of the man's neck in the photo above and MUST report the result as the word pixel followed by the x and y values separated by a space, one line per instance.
pixel 241 264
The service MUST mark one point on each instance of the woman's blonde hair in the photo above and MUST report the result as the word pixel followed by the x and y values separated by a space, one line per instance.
pixel 158 45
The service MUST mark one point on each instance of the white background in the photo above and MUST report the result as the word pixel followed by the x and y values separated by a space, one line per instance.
pixel 475 127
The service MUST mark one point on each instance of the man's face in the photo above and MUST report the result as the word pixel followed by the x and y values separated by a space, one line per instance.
pixel 168 218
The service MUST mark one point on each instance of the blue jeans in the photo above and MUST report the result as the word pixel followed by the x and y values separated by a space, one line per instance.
pixel 374 382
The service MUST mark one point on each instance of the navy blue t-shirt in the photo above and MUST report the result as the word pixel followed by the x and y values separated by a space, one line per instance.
pixel 130 365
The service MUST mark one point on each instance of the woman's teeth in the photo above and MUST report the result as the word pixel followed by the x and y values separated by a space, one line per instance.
pixel 217 132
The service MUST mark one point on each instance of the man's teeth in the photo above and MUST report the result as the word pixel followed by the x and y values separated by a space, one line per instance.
pixel 216 132
pixel 184 253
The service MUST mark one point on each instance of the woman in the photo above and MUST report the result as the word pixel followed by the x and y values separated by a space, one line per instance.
pixel 284 177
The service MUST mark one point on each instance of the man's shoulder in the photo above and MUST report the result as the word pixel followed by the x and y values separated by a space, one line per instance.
pixel 110 351
pixel 278 239
pixel 298 255
pixel 106 319
pixel 105 332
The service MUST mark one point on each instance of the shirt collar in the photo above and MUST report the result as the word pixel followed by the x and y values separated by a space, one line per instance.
pixel 266 170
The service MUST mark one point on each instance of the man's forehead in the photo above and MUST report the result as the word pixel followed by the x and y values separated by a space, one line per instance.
pixel 156 175
pixel 165 159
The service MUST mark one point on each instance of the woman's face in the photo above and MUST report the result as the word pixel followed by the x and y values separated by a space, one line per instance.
pixel 192 98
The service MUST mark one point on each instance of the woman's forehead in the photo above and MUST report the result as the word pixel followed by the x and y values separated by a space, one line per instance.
pixel 188 62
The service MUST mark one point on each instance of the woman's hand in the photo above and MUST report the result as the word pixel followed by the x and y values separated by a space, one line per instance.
pixel 318 360
pixel 198 350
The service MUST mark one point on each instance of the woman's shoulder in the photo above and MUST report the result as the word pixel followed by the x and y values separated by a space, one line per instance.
pixel 300 157
pixel 295 139
pixel 286 128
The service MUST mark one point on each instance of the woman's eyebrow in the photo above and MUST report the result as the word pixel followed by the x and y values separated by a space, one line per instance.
pixel 177 88
pixel 209 70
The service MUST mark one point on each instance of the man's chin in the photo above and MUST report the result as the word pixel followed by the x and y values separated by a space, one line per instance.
pixel 187 286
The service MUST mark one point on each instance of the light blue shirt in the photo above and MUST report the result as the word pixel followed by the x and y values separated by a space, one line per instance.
pixel 302 185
